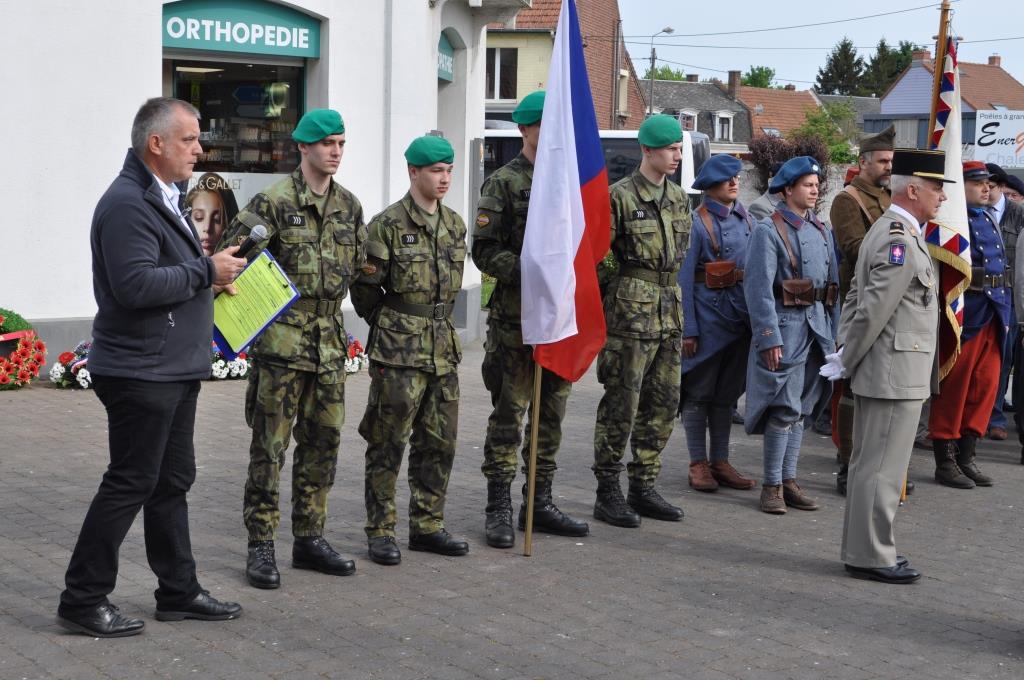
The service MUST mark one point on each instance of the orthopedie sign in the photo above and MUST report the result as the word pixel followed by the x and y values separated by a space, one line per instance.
pixel 445 59
pixel 251 26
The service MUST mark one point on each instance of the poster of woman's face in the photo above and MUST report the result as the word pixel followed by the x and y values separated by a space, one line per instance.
pixel 213 207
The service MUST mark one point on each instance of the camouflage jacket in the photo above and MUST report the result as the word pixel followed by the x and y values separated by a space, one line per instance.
pixel 321 254
pixel 650 236
pixel 409 264
pixel 498 237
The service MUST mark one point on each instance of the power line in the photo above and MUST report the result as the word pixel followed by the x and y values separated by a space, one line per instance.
pixel 775 47
pixel 787 28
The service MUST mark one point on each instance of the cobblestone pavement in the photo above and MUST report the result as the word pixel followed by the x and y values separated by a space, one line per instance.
pixel 727 593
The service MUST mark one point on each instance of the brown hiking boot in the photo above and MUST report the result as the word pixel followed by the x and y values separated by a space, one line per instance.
pixel 771 500
pixel 795 497
pixel 726 475
pixel 700 477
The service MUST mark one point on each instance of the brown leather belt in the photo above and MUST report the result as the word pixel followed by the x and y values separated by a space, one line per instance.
pixel 828 295
pixel 980 280
pixel 436 311
pixel 649 275
pixel 321 307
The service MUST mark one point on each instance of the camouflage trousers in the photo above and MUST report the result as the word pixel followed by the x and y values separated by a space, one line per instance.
pixel 409 406
pixel 640 402
pixel 508 371
pixel 278 396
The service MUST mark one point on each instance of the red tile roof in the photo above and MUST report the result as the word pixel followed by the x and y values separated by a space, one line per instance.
pixel 543 14
pixel 782 110
pixel 985 85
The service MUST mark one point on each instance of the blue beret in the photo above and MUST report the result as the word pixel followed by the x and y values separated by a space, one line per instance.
pixel 792 170
pixel 719 168
pixel 1015 183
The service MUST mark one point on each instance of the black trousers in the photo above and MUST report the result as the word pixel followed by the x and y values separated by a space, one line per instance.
pixel 152 466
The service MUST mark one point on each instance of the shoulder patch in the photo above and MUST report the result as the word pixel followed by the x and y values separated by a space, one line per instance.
pixel 296 220
pixel 410 239
pixel 896 227
pixel 482 220
pixel 637 214
pixel 369 269
pixel 524 194
pixel 897 253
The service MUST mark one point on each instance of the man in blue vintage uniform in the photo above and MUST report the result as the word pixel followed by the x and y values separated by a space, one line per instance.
pixel 791 289
pixel 716 328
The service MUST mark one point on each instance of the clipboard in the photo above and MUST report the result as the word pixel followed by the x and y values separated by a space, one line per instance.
pixel 264 293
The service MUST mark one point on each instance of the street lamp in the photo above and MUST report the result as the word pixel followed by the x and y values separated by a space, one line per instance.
pixel 650 85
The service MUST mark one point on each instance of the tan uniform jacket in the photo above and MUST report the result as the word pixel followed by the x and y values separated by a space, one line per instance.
pixel 850 224
pixel 890 319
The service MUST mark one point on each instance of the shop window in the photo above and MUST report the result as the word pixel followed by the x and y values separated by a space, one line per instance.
pixel 502 72
pixel 248 113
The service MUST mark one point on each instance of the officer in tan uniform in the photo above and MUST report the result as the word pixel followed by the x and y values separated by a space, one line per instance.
pixel 859 205
pixel 888 338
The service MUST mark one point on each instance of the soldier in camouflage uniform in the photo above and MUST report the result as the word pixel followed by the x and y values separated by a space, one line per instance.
pixel 315 231
pixel 508 367
pixel 640 363
pixel 415 251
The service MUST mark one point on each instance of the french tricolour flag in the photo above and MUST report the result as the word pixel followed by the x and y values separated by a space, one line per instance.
pixel 568 227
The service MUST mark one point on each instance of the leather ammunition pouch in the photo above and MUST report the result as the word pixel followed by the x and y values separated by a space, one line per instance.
pixel 802 293
pixel 720 274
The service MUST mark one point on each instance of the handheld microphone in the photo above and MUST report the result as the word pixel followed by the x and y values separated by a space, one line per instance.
pixel 258 234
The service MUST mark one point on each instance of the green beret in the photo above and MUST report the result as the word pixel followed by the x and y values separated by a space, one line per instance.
pixel 658 131
pixel 428 150
pixel 530 109
pixel 317 124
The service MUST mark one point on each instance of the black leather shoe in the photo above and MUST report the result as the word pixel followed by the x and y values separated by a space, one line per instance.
pixel 648 503
pixel 204 607
pixel 900 574
pixel 102 621
pixel 384 550
pixel 261 566
pixel 901 561
pixel 314 552
pixel 440 542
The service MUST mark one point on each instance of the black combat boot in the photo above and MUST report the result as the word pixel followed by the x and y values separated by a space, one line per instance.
pixel 965 459
pixel 947 471
pixel 546 515
pixel 261 566
pixel 844 473
pixel 648 503
pixel 611 506
pixel 498 525
pixel 315 553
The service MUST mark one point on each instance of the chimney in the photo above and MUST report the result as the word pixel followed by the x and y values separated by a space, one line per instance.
pixel 790 87
pixel 921 55
pixel 734 84
pixel 995 60
pixel 691 77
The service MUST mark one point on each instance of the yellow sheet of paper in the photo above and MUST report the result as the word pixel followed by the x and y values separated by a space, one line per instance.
pixel 263 291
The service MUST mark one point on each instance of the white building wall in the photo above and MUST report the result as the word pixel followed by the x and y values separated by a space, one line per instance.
pixel 83 69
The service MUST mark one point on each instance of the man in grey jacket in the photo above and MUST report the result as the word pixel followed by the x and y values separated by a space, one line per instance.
pixel 151 348
pixel 888 337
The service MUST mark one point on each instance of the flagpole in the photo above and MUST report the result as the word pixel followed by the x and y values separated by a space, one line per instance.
pixel 938 67
pixel 531 479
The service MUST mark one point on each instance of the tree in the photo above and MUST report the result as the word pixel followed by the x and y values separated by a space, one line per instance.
pixel 767 150
pixel 835 125
pixel 886 64
pixel 759 76
pixel 664 72
pixel 842 71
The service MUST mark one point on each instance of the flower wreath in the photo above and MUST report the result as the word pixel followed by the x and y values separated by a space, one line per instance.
pixel 21 366
pixel 69 371
pixel 223 369
pixel 356 358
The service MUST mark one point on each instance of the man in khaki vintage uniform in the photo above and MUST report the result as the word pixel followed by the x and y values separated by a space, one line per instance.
pixel 859 205
pixel 315 229
pixel 640 363
pixel 888 337
pixel 415 252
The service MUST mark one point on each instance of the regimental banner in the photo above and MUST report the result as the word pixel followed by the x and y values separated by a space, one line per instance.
pixel 999 138
pixel 252 26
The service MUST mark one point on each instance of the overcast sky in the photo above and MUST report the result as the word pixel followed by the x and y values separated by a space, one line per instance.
pixel 972 20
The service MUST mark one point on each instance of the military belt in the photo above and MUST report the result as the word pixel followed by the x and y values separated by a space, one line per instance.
pixel 436 311
pixel 649 275
pixel 980 280
pixel 320 307
pixel 828 295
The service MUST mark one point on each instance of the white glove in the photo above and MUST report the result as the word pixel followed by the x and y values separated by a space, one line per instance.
pixel 833 368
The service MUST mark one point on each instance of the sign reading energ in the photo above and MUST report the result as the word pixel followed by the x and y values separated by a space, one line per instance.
pixel 999 138
pixel 252 26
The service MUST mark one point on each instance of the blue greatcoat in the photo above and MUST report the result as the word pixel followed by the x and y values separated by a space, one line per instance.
pixel 718 317
pixel 993 302
pixel 789 392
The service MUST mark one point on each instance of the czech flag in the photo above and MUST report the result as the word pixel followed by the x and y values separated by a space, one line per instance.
pixel 568 227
